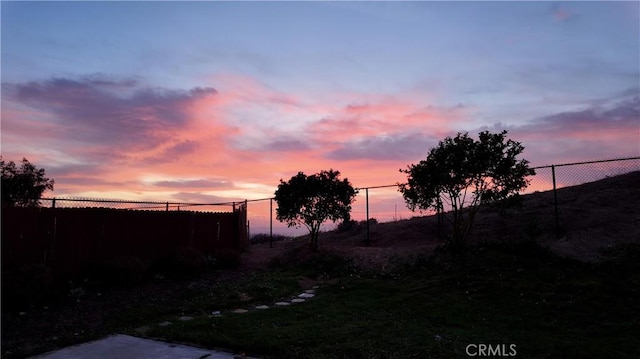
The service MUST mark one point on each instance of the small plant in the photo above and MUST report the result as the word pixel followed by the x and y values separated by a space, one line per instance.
pixel 347 225
pixel 372 221
pixel 265 238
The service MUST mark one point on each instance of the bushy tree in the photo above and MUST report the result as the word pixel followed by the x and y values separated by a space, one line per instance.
pixel 23 186
pixel 465 173
pixel 312 200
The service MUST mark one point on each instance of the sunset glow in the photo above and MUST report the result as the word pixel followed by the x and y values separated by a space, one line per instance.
pixel 217 101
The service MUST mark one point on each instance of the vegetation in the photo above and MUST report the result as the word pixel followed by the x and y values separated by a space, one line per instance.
pixel 434 306
pixel 23 186
pixel 466 173
pixel 508 289
pixel 312 200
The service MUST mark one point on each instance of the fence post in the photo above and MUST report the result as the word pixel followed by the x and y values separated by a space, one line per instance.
pixel 439 215
pixel 270 222
pixel 167 207
pixel 53 203
pixel 366 191
pixel 555 199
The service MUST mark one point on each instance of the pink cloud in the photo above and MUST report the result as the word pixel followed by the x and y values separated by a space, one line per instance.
pixel 239 140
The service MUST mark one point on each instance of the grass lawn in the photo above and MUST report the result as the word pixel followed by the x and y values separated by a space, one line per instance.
pixel 549 307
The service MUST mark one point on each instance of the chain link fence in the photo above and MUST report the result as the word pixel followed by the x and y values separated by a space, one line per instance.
pixel 552 177
pixel 386 204
pixel 555 177
pixel 382 203
pixel 138 205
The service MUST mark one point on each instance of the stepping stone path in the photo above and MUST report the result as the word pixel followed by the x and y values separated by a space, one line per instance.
pixel 301 298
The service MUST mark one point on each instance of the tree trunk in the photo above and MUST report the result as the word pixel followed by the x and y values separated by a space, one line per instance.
pixel 313 244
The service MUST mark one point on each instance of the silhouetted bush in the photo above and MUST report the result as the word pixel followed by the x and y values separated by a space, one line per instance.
pixel 353 225
pixel 372 221
pixel 265 238
pixel 347 225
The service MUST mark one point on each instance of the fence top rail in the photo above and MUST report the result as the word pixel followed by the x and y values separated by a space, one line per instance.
pixel 184 204
pixel 587 162
pixel 383 186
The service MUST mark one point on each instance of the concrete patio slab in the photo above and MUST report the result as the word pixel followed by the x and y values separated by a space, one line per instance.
pixel 128 347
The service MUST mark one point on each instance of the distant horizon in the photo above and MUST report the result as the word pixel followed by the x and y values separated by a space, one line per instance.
pixel 212 102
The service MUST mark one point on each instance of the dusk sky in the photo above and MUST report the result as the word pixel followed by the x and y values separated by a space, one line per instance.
pixel 217 101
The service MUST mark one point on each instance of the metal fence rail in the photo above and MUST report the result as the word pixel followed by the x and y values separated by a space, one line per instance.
pixel 137 205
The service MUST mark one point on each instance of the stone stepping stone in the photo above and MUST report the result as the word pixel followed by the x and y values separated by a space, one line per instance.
pixel 297 300
pixel 164 324
pixel 216 313
pixel 262 307
pixel 310 291
pixel 239 311
pixel 283 304
pixel 306 295
pixel 185 318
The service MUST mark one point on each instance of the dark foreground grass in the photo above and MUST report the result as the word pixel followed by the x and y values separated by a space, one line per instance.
pixel 549 307
pixel 100 311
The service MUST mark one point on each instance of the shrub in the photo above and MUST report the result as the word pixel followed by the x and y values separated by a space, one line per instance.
pixel 265 238
pixel 347 225
pixel 353 225
pixel 372 222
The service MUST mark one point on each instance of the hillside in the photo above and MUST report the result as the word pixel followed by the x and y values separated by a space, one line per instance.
pixel 592 216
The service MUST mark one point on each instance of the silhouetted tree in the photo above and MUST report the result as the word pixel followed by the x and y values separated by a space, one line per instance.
pixel 311 200
pixel 465 174
pixel 23 186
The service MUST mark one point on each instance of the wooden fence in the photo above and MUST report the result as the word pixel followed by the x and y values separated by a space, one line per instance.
pixel 70 239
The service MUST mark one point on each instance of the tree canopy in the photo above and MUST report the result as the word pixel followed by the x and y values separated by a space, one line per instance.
pixel 23 186
pixel 465 173
pixel 312 200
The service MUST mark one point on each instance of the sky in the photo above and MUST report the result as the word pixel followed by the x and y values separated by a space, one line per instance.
pixel 219 101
